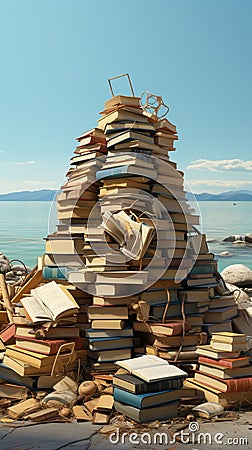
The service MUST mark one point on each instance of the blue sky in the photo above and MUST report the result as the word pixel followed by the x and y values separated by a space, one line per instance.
pixel 57 55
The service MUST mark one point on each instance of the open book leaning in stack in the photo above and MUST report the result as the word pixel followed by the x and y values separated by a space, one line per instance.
pixel 133 237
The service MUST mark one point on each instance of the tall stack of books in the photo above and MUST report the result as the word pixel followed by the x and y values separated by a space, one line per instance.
pixel 225 371
pixel 147 389
pixel 83 300
pixel 65 247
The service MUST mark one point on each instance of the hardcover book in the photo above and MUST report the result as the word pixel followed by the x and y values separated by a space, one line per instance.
pixel 137 386
pixel 207 350
pixel 160 412
pixel 229 363
pixel 142 401
pixel 231 385
pixel 151 368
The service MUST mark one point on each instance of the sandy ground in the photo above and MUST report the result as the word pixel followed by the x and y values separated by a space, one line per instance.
pixel 217 435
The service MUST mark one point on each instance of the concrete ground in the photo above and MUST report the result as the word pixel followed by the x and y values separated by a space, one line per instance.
pixel 235 433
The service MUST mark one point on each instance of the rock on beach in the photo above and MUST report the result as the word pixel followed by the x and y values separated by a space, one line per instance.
pixel 232 238
pixel 248 238
pixel 238 274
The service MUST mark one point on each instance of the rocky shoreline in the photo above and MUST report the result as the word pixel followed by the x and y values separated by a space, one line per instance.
pixel 234 242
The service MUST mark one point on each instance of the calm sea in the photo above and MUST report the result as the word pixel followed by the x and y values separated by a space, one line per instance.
pixel 25 224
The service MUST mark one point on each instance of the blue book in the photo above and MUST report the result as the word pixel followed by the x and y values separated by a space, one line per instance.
pixel 107 338
pixel 6 373
pixel 142 401
pixel 55 273
pixel 218 315
pixel 211 328
pixel 205 269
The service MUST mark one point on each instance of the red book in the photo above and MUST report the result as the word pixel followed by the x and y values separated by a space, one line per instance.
pixel 230 385
pixel 230 363
pixel 7 335
pixel 46 347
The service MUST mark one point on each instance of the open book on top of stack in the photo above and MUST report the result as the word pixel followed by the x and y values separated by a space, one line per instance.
pixel 49 303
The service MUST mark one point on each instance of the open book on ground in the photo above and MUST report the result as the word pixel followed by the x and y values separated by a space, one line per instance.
pixel 134 237
pixel 49 303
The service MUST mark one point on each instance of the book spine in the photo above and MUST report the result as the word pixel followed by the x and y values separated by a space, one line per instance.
pixel 163 385
pixel 239 384
pixel 220 363
pixel 16 378
pixel 127 398
pixel 127 410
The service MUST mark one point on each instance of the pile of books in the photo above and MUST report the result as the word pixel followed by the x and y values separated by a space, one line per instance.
pixel 127 230
pixel 225 371
pixel 147 388
pixel 128 255
pixel 44 321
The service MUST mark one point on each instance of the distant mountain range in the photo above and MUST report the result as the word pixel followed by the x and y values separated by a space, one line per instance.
pixel 29 196
pixel 48 195
pixel 231 196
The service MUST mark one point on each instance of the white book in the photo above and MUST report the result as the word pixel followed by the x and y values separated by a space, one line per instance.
pixel 142 362
pixel 150 374
pixel 50 302
pixel 151 368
